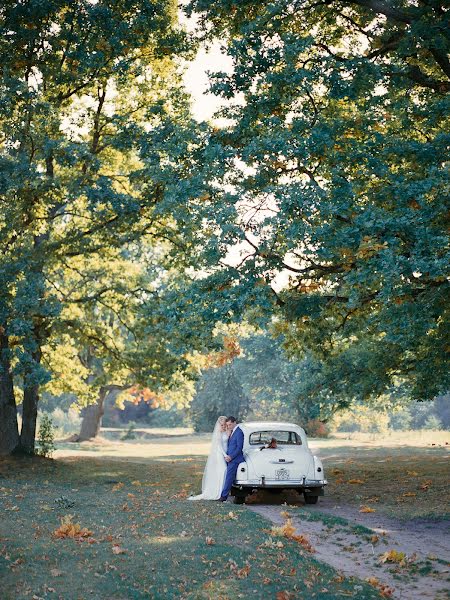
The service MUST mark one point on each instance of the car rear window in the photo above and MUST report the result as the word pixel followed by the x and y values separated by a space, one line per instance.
pixel 282 437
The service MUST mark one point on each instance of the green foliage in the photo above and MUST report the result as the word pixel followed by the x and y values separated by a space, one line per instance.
pixel 268 384
pixel 219 392
pixel 86 90
pixel 361 418
pixel 46 437
pixel 129 433
pixel 330 171
pixel 432 422
pixel 172 417
pixel 64 422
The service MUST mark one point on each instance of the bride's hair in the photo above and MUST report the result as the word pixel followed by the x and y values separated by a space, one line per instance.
pixel 222 419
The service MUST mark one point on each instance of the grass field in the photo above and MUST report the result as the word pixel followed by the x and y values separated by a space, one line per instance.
pixel 143 539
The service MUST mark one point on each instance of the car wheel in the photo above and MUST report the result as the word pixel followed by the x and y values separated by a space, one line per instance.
pixel 239 499
pixel 309 499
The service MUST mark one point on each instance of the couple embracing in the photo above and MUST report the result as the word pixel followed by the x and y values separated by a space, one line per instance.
pixel 223 460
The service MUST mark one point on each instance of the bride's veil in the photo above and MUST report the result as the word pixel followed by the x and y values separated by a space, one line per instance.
pixel 215 457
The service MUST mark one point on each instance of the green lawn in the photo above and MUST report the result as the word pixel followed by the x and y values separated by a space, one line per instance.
pixel 147 540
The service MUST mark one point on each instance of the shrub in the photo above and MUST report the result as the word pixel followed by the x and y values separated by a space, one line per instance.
pixel 362 419
pixel 316 428
pixel 65 422
pixel 401 420
pixel 46 437
pixel 129 433
pixel 172 417
pixel 433 423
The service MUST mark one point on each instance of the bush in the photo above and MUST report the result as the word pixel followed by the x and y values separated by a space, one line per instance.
pixel 316 428
pixel 172 417
pixel 432 422
pixel 363 419
pixel 218 392
pixel 46 437
pixel 129 433
pixel 65 422
pixel 401 420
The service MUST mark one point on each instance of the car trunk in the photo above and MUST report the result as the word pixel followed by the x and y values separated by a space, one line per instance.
pixel 278 464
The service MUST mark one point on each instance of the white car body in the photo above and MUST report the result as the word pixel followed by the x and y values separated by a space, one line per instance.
pixel 289 466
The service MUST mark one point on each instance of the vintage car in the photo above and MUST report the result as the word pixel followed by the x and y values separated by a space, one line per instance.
pixel 288 466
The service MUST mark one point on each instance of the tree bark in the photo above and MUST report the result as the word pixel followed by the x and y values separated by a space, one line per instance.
pixel 9 431
pixel 92 418
pixel 29 412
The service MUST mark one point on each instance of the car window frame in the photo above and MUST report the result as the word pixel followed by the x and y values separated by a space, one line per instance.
pixel 279 442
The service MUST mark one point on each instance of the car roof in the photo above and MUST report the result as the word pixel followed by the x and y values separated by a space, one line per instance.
pixel 265 425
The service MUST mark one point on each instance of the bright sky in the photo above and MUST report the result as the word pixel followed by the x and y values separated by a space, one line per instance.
pixel 204 105
pixel 196 81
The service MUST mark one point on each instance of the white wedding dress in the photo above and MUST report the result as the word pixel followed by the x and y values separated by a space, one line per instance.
pixel 216 467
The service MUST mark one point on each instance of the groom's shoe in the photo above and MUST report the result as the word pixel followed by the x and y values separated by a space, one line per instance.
pixel 222 499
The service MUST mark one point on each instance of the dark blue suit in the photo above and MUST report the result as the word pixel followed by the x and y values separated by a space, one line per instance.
pixel 234 450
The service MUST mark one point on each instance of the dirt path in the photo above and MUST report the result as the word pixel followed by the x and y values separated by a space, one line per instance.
pixel 354 551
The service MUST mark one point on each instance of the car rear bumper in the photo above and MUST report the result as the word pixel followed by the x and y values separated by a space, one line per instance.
pixel 263 483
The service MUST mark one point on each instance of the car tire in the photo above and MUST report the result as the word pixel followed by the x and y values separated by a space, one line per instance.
pixel 239 499
pixel 310 499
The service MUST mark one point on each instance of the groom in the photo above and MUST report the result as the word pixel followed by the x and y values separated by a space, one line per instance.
pixel 234 455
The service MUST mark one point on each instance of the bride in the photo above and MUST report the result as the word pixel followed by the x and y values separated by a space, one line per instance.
pixel 216 467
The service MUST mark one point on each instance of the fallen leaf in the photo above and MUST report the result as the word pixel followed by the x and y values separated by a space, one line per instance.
pixel 118 550
pixel 410 494
pixel 356 481
pixel 392 556
pixel 385 590
pixel 243 573
pixel 284 595
pixel 68 529
pixel 210 541
pixel 366 509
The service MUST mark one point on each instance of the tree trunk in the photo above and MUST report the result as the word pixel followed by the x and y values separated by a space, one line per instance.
pixel 29 412
pixel 92 418
pixel 9 431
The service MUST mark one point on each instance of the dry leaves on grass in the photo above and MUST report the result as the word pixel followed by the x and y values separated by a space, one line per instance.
pixel 384 590
pixel 55 572
pixel 241 573
pixel 336 471
pixel 356 481
pixel 284 595
pixel 425 485
pixel 270 543
pixel 117 487
pixel 287 530
pixel 366 509
pixel 210 541
pixel 393 556
pixel 116 549
pixel 68 529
